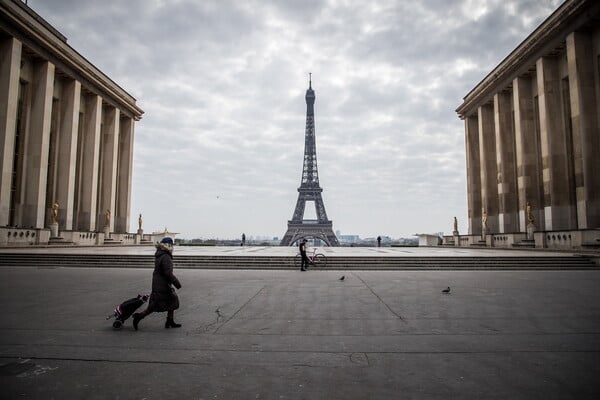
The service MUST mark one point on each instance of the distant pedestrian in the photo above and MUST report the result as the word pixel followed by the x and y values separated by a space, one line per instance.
pixel 243 239
pixel 305 260
pixel 163 297
pixel 378 241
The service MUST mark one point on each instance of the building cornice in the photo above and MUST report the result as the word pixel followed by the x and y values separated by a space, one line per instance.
pixel 36 33
pixel 527 52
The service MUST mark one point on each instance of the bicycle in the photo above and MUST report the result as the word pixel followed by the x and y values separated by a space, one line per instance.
pixel 317 260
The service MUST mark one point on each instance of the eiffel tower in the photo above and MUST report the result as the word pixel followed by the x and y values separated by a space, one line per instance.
pixel 309 190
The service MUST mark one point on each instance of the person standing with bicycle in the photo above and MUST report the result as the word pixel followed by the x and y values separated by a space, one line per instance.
pixel 305 260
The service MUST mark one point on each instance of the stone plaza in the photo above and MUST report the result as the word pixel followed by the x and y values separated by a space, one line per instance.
pixel 285 334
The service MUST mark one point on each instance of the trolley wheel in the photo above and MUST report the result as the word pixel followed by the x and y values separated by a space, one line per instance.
pixel 117 324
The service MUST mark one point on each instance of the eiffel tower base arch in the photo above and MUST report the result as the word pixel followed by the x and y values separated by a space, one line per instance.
pixel 301 230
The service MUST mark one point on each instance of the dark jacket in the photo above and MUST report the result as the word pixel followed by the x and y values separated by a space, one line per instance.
pixel 163 297
pixel 302 248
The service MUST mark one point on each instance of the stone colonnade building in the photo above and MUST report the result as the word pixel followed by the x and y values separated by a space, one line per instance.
pixel 532 136
pixel 66 137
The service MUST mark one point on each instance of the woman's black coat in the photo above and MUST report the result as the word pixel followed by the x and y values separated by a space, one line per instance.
pixel 163 297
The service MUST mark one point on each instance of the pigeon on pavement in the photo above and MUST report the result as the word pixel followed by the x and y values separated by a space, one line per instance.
pixel 343 277
pixel 447 290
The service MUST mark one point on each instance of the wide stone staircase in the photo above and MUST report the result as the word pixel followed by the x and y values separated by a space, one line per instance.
pixel 49 260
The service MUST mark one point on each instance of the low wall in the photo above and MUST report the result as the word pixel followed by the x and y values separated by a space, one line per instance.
pixel 507 240
pixel 428 240
pixel 565 240
pixel 17 237
pixel 81 238
pixel 23 237
pixel 558 240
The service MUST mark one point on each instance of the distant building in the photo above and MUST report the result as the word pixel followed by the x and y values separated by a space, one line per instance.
pixel 348 238
pixel 532 137
pixel 67 134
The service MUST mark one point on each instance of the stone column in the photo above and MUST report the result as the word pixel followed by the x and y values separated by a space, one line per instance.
pixel 10 66
pixel 109 153
pixel 489 170
pixel 125 169
pixel 505 156
pixel 473 175
pixel 558 210
pixel 586 137
pixel 67 152
pixel 36 153
pixel 529 162
pixel 88 204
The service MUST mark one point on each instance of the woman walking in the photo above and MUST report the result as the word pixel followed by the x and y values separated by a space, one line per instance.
pixel 163 297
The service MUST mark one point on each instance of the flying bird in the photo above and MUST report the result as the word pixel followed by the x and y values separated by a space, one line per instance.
pixel 343 277
pixel 447 290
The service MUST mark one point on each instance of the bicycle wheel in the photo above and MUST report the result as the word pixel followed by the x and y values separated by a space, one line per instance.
pixel 297 260
pixel 320 260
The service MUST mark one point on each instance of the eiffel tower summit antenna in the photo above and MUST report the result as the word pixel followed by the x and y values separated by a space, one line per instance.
pixel 309 190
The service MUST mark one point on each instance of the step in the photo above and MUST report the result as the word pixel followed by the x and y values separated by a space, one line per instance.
pixel 288 262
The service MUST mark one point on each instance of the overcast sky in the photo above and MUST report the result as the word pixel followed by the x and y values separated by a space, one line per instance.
pixel 219 149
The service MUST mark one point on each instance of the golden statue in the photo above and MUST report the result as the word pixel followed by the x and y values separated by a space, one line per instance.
pixel 530 218
pixel 55 213
pixel 484 218
pixel 140 222
pixel 107 216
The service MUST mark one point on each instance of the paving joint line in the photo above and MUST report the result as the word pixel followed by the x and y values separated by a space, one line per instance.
pixel 239 309
pixel 380 299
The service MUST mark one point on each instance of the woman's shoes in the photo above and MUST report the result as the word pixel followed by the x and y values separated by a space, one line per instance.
pixel 170 324
pixel 137 317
